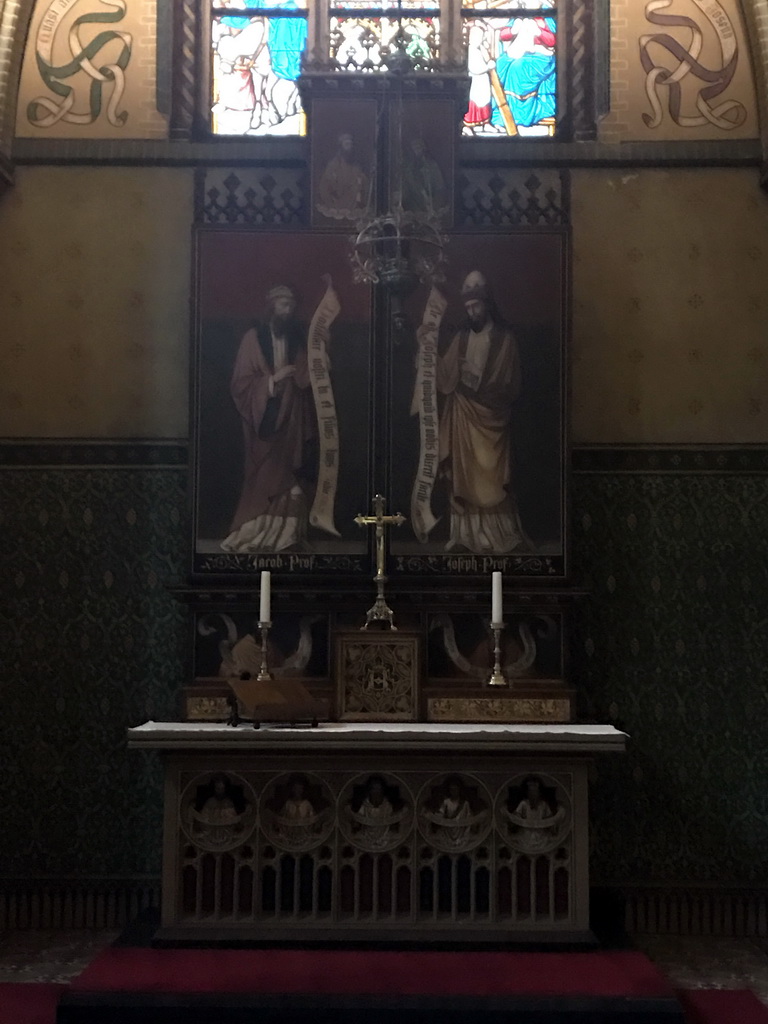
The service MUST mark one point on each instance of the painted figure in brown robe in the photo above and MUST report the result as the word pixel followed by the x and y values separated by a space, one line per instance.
pixel 479 377
pixel 271 390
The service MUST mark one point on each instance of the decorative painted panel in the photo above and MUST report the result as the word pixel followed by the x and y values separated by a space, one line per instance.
pixel 89 71
pixel 679 71
pixel 507 197
pixel 251 195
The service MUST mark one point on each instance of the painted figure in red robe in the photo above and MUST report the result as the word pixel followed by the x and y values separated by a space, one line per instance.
pixel 271 390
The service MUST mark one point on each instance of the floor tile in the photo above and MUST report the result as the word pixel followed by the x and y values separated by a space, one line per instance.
pixel 707 962
pixel 49 956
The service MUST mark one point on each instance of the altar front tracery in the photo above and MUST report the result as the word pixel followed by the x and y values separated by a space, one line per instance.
pixel 372 831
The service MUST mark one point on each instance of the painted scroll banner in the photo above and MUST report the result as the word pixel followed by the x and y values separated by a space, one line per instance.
pixel 425 404
pixel 85 55
pixel 728 114
pixel 322 512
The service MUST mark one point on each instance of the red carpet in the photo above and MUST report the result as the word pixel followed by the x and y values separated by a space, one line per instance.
pixel 26 1003
pixel 360 972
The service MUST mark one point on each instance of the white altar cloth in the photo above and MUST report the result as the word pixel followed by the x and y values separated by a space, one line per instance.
pixel 570 738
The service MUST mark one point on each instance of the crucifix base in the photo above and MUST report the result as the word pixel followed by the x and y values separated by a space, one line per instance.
pixel 380 613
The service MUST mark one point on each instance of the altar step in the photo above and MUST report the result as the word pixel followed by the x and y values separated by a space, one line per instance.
pixel 170 1008
pixel 298 986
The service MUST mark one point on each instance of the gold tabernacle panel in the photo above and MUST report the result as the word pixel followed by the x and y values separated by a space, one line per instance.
pixel 377 676
pixel 206 703
pixel 512 706
pixel 209 700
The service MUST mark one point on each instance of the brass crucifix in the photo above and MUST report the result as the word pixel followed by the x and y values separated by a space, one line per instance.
pixel 380 612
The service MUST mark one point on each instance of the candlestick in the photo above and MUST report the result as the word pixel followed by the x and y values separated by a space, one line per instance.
pixel 264 672
pixel 497 613
pixel 265 615
pixel 497 677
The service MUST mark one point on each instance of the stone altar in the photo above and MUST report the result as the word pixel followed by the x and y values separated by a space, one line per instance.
pixel 376 831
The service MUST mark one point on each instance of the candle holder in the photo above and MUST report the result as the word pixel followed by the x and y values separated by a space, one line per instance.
pixel 264 672
pixel 497 677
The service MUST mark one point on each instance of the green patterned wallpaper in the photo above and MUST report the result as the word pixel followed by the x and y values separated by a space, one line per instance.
pixel 670 647
pixel 92 643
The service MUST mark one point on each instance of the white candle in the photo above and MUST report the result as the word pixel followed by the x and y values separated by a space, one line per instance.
pixel 264 611
pixel 497 615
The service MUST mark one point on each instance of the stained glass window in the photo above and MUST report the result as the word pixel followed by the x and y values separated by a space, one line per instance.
pixel 256 60
pixel 512 65
pixel 511 49
pixel 365 34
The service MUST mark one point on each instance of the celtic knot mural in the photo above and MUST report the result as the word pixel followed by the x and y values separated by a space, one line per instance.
pixel 674 61
pixel 71 54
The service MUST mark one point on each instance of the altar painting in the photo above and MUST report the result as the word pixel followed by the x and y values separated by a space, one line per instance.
pixel 461 647
pixel 281 403
pixel 228 645
pixel 477 439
